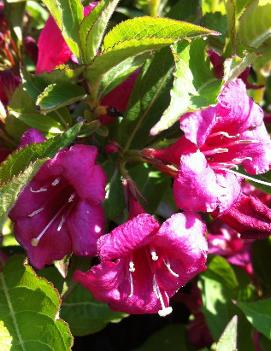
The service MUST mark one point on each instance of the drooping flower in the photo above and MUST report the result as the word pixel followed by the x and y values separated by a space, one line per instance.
pixel 60 210
pixel 53 50
pixel 249 216
pixel 216 141
pixel 143 264
pixel 227 242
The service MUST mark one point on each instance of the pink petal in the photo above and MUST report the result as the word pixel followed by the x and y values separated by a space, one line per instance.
pixel 195 188
pixel 128 237
pixel 198 125
pixel 85 225
pixel 236 111
pixel 53 50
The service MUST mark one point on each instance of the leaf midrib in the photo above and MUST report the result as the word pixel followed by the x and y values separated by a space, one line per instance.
pixel 12 312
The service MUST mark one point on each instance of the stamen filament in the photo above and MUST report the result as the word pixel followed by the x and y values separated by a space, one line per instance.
pixel 255 180
pixel 32 214
pixel 219 150
pixel 35 241
pixel 224 134
pixel 167 264
pixel 131 284
pixel 165 310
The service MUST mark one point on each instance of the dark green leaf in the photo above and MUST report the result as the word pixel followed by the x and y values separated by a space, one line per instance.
pixel 149 97
pixel 114 201
pixel 170 338
pixel 138 35
pixel 58 95
pixel 258 313
pixel 261 253
pixel 18 161
pixel 29 308
pixel 93 27
pixel 84 314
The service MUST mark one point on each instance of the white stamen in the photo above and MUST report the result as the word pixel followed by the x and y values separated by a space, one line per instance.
pixel 220 165
pixel 55 182
pixel 62 221
pixel 131 285
pixel 219 150
pixel 165 310
pixel 71 198
pixel 40 190
pixel 247 177
pixel 243 141
pixel 240 160
pixel 154 255
pixel 32 214
pixel 225 134
pixel 131 266
pixel 35 241
pixel 167 264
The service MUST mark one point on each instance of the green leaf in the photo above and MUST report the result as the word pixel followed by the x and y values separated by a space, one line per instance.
pixel 114 201
pixel 58 95
pixel 194 73
pixel 68 14
pixel 261 253
pixel 85 315
pixel 19 160
pixel 10 191
pixel 35 120
pixel 93 27
pixel 151 184
pixel 220 288
pixel 119 73
pixel 138 35
pixel 255 24
pixel 258 313
pixel 208 6
pixel 171 337
pixel 228 340
pixel 150 96
pixel 29 308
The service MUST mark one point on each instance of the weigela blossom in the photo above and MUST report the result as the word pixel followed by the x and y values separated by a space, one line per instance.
pixel 216 141
pixel 60 211
pixel 52 48
pixel 143 264
pixel 250 217
pixel 225 241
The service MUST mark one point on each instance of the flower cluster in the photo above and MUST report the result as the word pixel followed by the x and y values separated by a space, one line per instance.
pixel 143 263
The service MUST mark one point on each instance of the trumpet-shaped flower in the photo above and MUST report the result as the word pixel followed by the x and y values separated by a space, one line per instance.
pixel 216 141
pixel 143 264
pixel 60 210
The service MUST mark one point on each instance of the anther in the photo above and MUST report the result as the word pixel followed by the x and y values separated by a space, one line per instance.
pixel 40 190
pixel 154 255
pixel 55 182
pixel 131 266
pixel 62 221
pixel 71 198
pixel 32 214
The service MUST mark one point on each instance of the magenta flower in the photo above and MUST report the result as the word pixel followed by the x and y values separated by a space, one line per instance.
pixel 9 81
pixel 230 134
pixel 53 50
pixel 250 217
pixel 31 136
pixel 225 241
pixel 143 264
pixel 60 210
